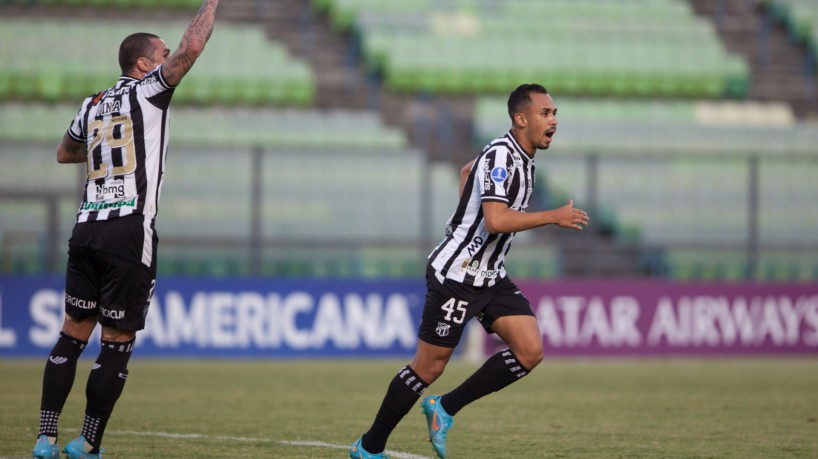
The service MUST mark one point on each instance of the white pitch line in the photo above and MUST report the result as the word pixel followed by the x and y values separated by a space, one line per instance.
pixel 395 454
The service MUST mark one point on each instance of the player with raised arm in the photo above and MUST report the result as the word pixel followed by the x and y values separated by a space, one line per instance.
pixel 121 133
pixel 466 278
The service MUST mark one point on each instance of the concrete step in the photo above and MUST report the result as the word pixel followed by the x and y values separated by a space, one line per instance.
pixel 776 63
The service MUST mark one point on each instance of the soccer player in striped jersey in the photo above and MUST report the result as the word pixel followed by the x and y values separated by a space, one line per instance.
pixel 121 133
pixel 466 278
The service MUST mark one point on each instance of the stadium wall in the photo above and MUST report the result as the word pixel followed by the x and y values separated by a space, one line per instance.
pixel 276 318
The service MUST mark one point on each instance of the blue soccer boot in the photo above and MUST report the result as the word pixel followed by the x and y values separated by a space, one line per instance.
pixel 356 451
pixel 439 422
pixel 43 449
pixel 76 450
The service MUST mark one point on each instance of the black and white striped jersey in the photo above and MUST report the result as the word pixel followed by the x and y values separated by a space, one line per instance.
pixel 125 131
pixel 469 254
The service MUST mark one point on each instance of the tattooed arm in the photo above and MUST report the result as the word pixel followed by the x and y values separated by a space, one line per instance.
pixel 192 44
pixel 71 151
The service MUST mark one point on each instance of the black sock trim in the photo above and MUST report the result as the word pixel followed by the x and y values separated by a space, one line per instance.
pixel 412 380
pixel 514 366
pixel 121 346
pixel 92 430
pixel 48 423
pixel 77 342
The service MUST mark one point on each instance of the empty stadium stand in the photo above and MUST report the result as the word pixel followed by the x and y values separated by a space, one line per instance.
pixel 228 127
pixel 52 60
pixel 782 66
pixel 635 48
pixel 331 131
pixel 800 17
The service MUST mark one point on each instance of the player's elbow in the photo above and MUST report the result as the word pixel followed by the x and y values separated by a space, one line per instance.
pixel 496 217
pixel 63 157
pixel 492 230
pixel 493 226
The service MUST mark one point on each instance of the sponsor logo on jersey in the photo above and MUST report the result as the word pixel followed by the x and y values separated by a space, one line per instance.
pixel 108 205
pixel 442 329
pixel 499 174
pixel 486 174
pixel 474 270
pixel 118 92
pixel 79 302
pixel 113 189
pixel 473 247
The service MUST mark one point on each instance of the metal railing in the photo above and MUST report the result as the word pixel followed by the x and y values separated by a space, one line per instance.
pixel 745 207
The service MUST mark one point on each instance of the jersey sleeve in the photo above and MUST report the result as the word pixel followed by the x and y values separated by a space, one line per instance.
pixel 155 89
pixel 493 174
pixel 76 130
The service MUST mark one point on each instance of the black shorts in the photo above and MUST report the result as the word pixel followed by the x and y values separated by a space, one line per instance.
pixel 106 276
pixel 450 305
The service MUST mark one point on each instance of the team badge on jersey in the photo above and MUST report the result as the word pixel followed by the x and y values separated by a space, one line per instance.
pixel 499 174
pixel 442 329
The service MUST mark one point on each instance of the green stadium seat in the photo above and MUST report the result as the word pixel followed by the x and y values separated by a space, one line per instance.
pixel 51 61
pixel 613 48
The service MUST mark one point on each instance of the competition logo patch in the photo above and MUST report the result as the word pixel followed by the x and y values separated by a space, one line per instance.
pixel 442 329
pixel 499 174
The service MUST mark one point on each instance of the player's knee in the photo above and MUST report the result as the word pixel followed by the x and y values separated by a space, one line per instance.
pixel 530 357
pixel 534 360
pixel 431 371
pixel 113 334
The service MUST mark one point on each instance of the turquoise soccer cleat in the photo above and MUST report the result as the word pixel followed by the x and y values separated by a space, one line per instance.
pixel 439 422
pixel 45 450
pixel 76 450
pixel 356 451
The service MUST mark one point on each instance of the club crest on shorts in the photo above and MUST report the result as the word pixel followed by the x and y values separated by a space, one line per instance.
pixel 442 329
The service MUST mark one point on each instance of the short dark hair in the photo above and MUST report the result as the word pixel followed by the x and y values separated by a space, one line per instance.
pixel 520 97
pixel 133 47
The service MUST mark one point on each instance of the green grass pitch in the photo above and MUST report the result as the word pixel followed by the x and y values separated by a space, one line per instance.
pixel 652 408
